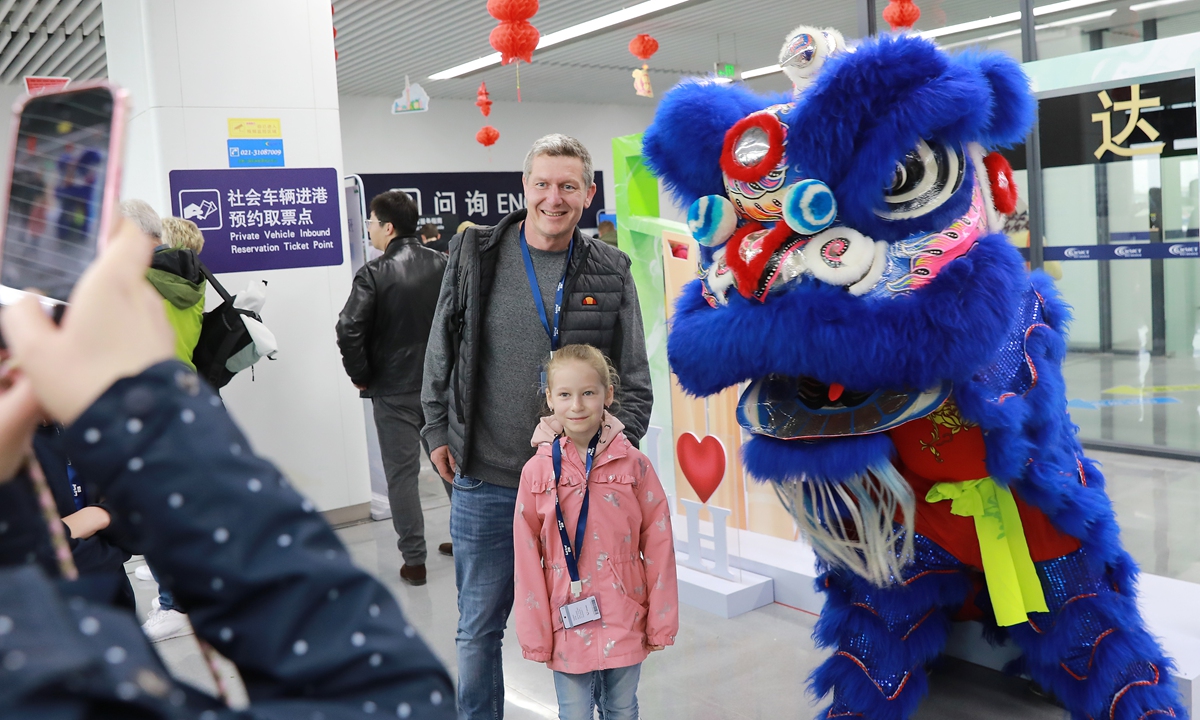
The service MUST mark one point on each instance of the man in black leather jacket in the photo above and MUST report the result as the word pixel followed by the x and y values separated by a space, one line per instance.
pixel 382 332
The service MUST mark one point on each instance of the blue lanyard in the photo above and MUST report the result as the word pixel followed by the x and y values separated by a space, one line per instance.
pixel 580 528
pixel 551 332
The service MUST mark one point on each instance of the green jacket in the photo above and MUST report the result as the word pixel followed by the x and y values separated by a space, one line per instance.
pixel 175 274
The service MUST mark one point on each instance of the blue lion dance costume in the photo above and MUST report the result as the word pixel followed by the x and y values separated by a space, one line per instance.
pixel 904 390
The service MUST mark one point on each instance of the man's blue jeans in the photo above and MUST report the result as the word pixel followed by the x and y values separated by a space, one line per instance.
pixel 481 527
pixel 613 691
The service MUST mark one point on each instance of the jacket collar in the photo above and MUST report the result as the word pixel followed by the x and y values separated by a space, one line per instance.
pixel 400 241
pixel 613 446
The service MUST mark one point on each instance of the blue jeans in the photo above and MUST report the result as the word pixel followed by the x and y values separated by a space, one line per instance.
pixel 613 691
pixel 166 600
pixel 481 527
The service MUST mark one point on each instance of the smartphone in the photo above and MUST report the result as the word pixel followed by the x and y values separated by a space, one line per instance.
pixel 62 190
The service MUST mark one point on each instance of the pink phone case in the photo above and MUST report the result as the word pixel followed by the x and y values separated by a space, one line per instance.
pixel 112 175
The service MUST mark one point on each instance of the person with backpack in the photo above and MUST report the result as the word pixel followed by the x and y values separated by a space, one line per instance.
pixel 176 273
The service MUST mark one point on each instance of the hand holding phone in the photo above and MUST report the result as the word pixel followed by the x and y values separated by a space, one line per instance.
pixel 62 190
pixel 116 328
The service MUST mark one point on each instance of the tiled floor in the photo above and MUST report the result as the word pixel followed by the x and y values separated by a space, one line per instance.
pixel 1135 399
pixel 753 666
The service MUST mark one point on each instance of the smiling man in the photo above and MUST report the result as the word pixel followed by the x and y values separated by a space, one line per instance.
pixel 511 294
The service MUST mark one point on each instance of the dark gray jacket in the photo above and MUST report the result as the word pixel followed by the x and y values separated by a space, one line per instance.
pixel 592 309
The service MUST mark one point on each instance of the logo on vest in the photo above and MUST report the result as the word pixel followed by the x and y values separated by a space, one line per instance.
pixel 589 300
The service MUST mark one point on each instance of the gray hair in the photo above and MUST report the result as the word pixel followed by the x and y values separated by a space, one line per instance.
pixel 559 145
pixel 142 215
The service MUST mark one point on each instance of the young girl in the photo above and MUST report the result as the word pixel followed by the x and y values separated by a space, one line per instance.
pixel 590 494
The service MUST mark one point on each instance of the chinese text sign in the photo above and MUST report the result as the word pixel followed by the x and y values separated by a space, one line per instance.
pixel 263 219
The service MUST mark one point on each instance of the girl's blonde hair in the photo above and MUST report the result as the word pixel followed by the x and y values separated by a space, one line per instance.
pixel 587 354
pixel 180 233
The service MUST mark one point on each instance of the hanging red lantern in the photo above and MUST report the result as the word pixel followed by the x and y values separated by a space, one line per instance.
pixel 901 14
pixel 483 100
pixel 512 10
pixel 643 46
pixel 514 37
pixel 515 41
pixel 487 136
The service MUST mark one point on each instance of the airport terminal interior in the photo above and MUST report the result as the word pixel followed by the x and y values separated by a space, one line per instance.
pixel 272 124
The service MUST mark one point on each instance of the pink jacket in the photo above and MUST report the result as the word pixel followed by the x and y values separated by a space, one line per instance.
pixel 627 561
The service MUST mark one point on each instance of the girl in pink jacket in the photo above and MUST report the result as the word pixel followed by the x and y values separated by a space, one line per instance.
pixel 590 494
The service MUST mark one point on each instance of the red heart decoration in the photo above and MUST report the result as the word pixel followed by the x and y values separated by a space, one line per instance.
pixel 703 463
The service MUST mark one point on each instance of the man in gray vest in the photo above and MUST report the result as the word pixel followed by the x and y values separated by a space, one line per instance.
pixel 511 294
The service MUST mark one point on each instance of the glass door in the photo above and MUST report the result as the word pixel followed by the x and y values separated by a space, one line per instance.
pixel 1119 171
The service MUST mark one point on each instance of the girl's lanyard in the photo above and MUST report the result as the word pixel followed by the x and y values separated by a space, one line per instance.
pixel 580 528
pixel 551 331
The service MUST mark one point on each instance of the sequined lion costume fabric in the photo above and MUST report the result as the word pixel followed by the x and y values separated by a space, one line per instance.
pixel 902 369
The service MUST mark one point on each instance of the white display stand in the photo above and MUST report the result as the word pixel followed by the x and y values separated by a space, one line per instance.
pixel 726 598
pixel 1167 605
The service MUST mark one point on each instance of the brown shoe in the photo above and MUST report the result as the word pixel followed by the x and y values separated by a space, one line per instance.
pixel 446 549
pixel 413 574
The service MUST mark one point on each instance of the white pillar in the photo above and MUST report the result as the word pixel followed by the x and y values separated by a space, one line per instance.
pixel 190 66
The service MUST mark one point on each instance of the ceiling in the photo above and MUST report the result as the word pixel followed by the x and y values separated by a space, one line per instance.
pixel 51 37
pixel 381 41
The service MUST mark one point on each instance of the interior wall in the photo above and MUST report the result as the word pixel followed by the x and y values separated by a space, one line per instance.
pixel 442 139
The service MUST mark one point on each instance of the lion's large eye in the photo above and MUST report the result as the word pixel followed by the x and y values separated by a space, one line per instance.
pixel 924 180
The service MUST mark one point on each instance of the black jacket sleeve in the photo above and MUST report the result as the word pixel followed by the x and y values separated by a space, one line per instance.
pixel 354 326
pixel 266 580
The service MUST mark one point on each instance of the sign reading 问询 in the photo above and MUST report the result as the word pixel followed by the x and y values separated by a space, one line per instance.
pixel 481 197
pixel 265 219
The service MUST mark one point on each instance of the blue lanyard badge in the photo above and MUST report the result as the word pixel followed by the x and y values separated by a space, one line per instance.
pixel 551 331
pixel 580 528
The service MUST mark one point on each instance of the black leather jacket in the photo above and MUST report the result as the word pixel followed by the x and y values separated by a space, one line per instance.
pixel 383 329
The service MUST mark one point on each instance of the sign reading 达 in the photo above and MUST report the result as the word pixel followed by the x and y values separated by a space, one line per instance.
pixel 266 219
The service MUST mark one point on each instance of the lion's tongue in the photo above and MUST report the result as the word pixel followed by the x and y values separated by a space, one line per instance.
pixel 835 391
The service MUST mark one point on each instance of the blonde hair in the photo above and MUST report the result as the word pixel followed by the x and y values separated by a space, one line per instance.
pixel 180 233
pixel 585 354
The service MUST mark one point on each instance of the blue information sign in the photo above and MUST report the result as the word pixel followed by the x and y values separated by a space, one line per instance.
pixel 255 152
pixel 262 219
pixel 1127 251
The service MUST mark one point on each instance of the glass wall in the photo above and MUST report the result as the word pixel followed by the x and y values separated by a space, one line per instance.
pixel 1120 177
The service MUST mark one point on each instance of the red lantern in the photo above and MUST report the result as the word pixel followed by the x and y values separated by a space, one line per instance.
pixel 515 41
pixel 487 136
pixel 514 37
pixel 483 100
pixel 901 14
pixel 643 46
pixel 512 10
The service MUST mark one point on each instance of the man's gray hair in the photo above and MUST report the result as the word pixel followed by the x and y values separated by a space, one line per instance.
pixel 142 215
pixel 559 145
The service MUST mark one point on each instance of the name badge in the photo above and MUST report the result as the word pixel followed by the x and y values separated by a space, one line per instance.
pixel 579 613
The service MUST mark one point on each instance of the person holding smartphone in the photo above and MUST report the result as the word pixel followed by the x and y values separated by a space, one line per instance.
pixel 311 634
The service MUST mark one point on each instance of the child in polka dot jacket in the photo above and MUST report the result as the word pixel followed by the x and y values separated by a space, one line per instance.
pixel 595 622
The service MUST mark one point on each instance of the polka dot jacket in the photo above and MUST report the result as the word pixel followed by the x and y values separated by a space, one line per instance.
pixel 266 581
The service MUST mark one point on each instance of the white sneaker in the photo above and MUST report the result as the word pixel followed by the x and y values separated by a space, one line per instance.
pixel 166 624
pixel 154 605
pixel 143 573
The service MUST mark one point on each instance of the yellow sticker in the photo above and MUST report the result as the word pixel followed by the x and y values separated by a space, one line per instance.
pixel 1131 390
pixel 255 128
